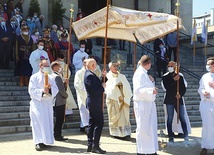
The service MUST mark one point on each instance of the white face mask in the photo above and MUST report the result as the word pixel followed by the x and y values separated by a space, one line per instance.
pixel 40 47
pixel 46 69
pixel 37 33
pixel 60 70
pixel 208 68
pixel 82 49
pixel 170 69
pixel 25 33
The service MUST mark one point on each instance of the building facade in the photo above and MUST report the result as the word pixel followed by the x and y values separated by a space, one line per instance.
pixel 209 18
pixel 167 6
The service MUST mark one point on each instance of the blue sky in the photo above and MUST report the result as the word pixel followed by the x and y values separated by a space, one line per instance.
pixel 202 6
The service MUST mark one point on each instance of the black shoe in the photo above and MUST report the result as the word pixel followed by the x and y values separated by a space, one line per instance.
pixel 203 151
pixel 82 129
pixel 42 145
pixel 60 138
pixel 89 148
pixel 38 147
pixel 98 150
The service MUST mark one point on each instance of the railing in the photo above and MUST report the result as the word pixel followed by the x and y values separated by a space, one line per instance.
pixel 66 17
pixel 155 56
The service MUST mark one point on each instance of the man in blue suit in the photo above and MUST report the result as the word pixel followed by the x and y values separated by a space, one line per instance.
pixel 94 103
pixel 5 44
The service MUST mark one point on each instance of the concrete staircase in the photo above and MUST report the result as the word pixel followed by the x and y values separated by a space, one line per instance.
pixel 14 100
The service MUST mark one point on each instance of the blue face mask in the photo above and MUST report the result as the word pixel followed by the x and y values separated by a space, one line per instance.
pixel 64 40
pixel 3 23
pixel 161 46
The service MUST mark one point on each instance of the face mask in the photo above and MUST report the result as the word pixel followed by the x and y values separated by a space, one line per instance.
pixel 40 47
pixel 35 16
pixel 46 69
pixel 161 46
pixel 12 22
pixel 28 20
pixel 60 70
pixel 37 33
pixel 82 49
pixel 25 33
pixel 208 68
pixel 17 15
pixel 61 28
pixel 64 40
pixel 3 23
pixel 170 69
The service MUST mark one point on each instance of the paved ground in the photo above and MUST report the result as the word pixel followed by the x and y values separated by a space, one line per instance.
pixel 22 144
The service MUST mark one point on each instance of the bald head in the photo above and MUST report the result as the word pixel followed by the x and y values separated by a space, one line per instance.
pixel 172 64
pixel 91 64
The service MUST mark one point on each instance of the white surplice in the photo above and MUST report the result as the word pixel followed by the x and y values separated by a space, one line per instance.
pixel 145 112
pixel 207 111
pixel 34 59
pixel 176 126
pixel 41 108
pixel 118 112
pixel 81 96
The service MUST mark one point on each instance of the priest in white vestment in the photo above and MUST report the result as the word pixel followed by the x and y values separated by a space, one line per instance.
pixel 81 97
pixel 144 94
pixel 41 106
pixel 118 94
pixel 65 73
pixel 37 55
pixel 206 91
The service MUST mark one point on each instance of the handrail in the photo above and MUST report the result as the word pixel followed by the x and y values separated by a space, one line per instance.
pixel 181 68
pixel 199 39
pixel 66 17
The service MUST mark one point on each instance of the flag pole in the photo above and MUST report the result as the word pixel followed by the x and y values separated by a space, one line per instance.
pixel 105 44
pixel 178 59
pixel 194 35
pixel 205 43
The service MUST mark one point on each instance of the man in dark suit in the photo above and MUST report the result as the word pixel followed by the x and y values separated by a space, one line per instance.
pixel 162 56
pixel 59 107
pixel 5 44
pixel 94 103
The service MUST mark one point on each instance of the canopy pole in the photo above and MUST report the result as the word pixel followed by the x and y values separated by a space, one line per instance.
pixel 105 44
pixel 177 69
pixel 135 48
pixel 177 12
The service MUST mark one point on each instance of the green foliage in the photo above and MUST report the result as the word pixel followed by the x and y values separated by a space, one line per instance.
pixel 34 7
pixel 57 12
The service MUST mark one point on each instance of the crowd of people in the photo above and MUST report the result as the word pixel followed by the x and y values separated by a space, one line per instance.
pixel 41 57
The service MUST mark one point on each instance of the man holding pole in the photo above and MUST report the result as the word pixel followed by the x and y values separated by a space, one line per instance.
pixel 42 89
pixel 169 83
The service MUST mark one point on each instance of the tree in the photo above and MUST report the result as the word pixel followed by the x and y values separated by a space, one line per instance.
pixel 58 12
pixel 34 7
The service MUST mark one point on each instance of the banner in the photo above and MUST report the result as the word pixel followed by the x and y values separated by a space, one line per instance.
pixel 194 33
pixel 204 33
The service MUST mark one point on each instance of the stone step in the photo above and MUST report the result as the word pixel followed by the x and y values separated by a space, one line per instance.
pixel 13 88
pixel 15 98
pixel 14 93
pixel 13 103
pixel 14 109
pixel 15 115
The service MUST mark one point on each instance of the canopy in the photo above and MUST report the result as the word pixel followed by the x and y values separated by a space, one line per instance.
pixel 126 24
